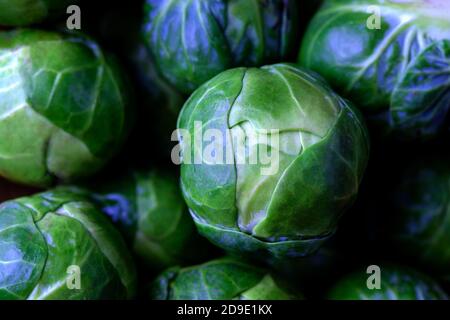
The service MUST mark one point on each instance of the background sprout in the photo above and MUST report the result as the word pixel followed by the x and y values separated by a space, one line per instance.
pixel 220 279
pixel 43 236
pixel 397 283
pixel 149 209
pixel 192 41
pixel 64 107
pixel 421 203
pixel 323 151
pixel 397 70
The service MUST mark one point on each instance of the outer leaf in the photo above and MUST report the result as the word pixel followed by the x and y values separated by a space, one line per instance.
pixel 23 252
pixel 210 105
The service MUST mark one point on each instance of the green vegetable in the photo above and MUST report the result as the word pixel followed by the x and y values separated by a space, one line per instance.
pixel 421 227
pixel 397 283
pixel 150 210
pixel 221 279
pixel 319 151
pixel 26 12
pixel 397 71
pixel 64 107
pixel 44 236
pixel 194 40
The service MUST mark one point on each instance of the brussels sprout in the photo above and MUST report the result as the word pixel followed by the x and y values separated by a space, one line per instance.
pixel 26 12
pixel 194 40
pixel 392 58
pixel 150 210
pixel 64 107
pixel 47 238
pixel 396 283
pixel 220 279
pixel 422 214
pixel 318 149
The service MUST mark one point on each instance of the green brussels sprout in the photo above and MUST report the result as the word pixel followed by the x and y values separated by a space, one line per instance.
pixel 150 211
pixel 220 279
pixel 396 283
pixel 421 203
pixel 64 107
pixel 392 58
pixel 288 201
pixel 46 238
pixel 194 40
pixel 26 12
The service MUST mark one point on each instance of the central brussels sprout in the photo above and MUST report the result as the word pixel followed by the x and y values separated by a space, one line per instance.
pixel 46 238
pixel 317 143
pixel 396 283
pixel 26 12
pixel 194 40
pixel 64 107
pixel 221 279
pixel 392 58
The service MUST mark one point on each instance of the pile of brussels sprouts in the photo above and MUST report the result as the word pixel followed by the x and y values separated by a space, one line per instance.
pixel 315 113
